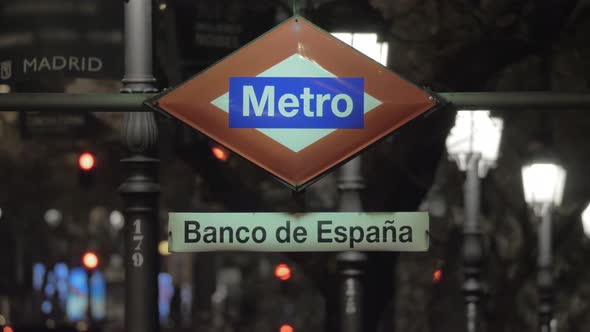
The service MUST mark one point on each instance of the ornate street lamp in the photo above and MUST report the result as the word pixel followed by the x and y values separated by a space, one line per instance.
pixel 473 143
pixel 543 183
pixel 475 133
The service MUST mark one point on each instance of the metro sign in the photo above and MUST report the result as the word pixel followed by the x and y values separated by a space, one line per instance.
pixel 296 102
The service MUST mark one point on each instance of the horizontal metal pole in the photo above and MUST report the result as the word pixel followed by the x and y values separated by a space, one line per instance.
pixel 116 102
pixel 69 102
pixel 542 100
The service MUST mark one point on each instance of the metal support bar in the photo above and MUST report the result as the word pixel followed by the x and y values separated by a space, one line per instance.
pixel 542 100
pixel 472 246
pixel 110 102
pixel 67 102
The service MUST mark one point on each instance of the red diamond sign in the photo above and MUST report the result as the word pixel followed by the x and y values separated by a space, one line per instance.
pixel 296 102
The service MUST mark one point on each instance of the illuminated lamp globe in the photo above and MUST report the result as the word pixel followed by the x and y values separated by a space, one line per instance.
pixel 475 132
pixel 543 183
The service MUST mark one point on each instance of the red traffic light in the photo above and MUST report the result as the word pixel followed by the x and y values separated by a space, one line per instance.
pixel 220 153
pixel 437 276
pixel 86 161
pixel 286 328
pixel 283 272
pixel 90 260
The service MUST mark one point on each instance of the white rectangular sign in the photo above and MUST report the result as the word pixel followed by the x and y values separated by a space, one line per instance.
pixel 377 231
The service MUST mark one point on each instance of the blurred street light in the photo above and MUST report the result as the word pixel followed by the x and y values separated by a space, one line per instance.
pixel 543 183
pixel 366 43
pixel 473 143
pixel 437 276
pixel 86 161
pixel 117 220
pixel 220 153
pixel 53 217
pixel 90 260
pixel 86 169
pixel 475 132
pixel 163 248
pixel 283 272
pixel 46 307
pixel 586 220
pixel 286 328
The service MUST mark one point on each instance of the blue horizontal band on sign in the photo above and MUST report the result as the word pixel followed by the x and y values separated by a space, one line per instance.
pixel 296 102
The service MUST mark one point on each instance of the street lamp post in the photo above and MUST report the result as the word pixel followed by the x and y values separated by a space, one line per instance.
pixel 361 30
pixel 351 263
pixel 543 183
pixel 141 190
pixel 473 143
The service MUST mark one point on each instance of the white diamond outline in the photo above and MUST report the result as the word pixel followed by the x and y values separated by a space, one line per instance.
pixel 296 65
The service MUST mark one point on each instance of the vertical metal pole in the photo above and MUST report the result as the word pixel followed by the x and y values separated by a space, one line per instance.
pixel 140 191
pixel 139 76
pixel 472 246
pixel 351 263
pixel 545 276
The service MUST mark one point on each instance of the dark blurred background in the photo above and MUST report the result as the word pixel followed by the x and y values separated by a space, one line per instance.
pixel 51 214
